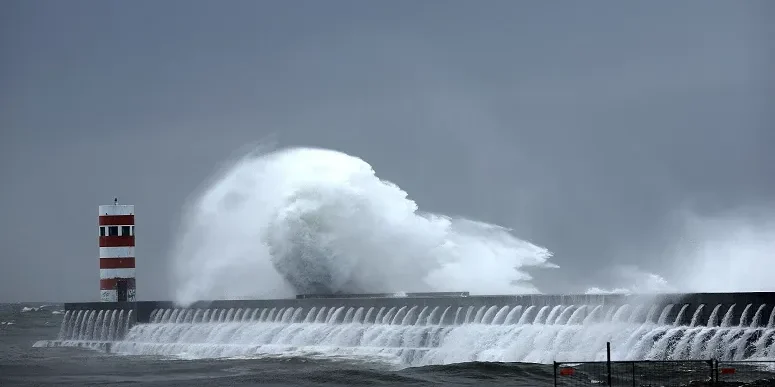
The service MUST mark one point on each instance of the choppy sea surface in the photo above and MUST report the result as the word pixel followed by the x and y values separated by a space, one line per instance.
pixel 21 325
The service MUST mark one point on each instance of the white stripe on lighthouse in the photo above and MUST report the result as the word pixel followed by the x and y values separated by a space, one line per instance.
pixel 117 273
pixel 117 252
pixel 108 295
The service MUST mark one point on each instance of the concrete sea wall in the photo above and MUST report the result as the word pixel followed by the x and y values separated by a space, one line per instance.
pixel 142 310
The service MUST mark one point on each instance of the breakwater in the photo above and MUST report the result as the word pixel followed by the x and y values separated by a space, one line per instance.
pixel 141 311
pixel 423 329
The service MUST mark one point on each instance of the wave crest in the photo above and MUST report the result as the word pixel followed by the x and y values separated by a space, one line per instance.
pixel 307 220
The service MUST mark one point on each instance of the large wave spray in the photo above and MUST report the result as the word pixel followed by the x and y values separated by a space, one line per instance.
pixel 312 220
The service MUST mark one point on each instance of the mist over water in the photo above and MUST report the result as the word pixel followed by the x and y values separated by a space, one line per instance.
pixel 727 252
pixel 731 252
pixel 313 220
pixel 632 280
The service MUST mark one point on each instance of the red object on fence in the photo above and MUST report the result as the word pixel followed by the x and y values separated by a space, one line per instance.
pixel 727 371
pixel 567 371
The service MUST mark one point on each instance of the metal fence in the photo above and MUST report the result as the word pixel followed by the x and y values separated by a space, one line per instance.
pixel 745 373
pixel 666 373
pixel 634 373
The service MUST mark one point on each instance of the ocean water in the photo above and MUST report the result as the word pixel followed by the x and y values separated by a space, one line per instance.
pixel 21 364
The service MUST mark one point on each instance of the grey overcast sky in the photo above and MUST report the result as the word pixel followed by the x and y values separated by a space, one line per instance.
pixel 584 126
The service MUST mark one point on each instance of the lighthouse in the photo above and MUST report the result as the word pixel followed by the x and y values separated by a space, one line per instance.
pixel 117 252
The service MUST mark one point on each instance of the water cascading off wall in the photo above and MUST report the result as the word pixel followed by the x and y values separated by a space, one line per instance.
pixel 414 335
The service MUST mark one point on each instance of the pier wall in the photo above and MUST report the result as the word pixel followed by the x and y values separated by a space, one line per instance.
pixel 142 309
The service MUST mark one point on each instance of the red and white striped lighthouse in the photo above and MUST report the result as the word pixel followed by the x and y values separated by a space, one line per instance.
pixel 117 252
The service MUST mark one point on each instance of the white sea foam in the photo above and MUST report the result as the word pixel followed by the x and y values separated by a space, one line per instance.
pixel 313 220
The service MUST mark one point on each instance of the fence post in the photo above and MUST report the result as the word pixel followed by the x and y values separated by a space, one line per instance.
pixel 714 369
pixel 608 360
pixel 554 366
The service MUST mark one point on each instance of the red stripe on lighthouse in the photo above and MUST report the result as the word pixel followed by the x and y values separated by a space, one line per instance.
pixel 110 283
pixel 117 220
pixel 117 263
pixel 117 241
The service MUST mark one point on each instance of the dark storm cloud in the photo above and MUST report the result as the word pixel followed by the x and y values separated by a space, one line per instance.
pixel 582 126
